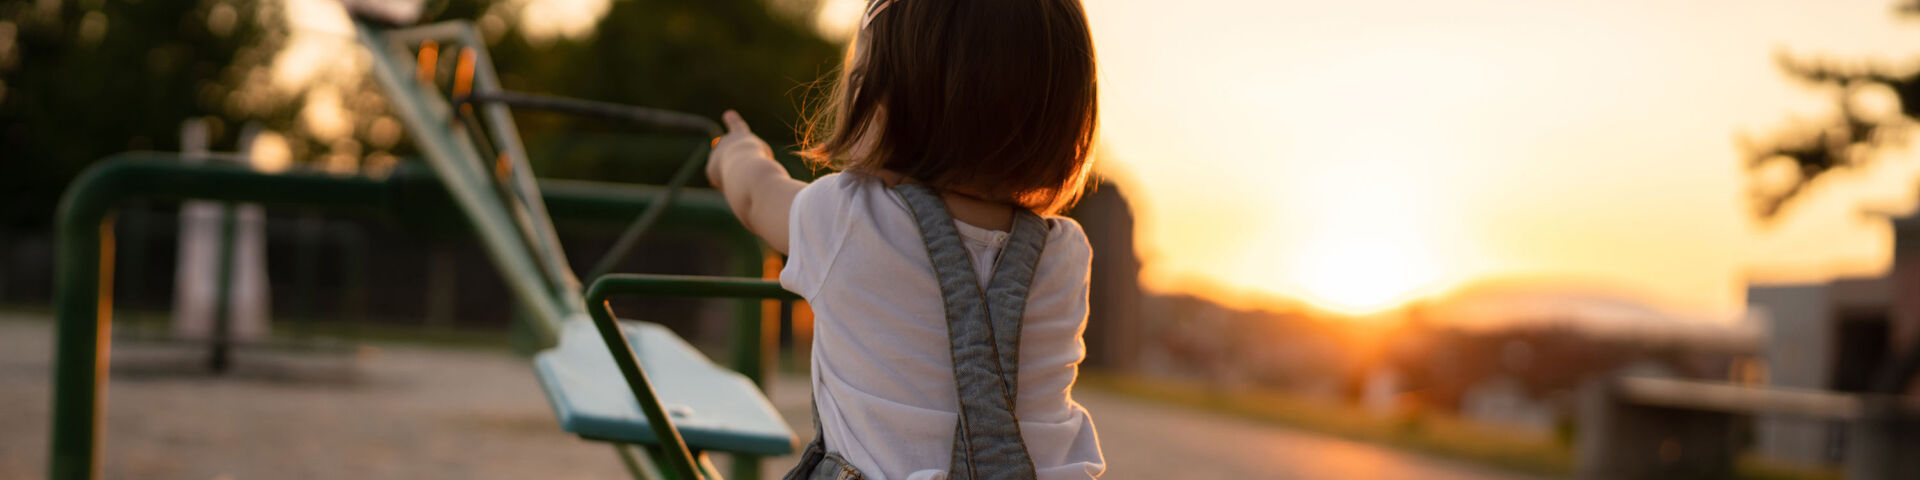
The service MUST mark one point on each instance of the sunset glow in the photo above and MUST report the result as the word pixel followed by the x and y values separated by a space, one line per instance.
pixel 1358 155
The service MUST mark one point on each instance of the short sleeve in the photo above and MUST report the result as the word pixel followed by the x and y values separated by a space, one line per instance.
pixel 814 234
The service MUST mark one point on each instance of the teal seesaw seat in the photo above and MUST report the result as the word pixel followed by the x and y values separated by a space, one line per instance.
pixel 714 408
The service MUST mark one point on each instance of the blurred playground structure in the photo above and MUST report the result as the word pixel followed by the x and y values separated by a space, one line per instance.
pixel 479 167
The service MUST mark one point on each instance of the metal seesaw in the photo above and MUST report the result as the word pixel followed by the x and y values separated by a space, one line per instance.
pixel 675 404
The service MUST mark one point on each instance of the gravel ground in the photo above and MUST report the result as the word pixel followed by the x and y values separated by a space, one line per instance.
pixel 395 411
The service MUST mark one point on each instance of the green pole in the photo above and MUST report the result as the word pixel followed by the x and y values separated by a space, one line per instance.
pixel 750 289
pixel 133 223
pixel 353 279
pixel 82 302
pixel 749 344
pixel 222 354
pixel 307 233
pixel 674 449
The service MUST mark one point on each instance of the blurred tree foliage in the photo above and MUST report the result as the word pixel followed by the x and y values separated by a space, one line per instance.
pixel 1865 123
pixel 81 79
pixel 701 56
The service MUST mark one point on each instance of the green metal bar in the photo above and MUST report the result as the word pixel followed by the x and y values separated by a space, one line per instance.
pixel 706 466
pixel 749 342
pixel 657 118
pixel 639 465
pixel 222 350
pixel 500 120
pixel 631 237
pixel 697 208
pixel 83 276
pixel 583 200
pixel 748 339
pixel 613 202
pixel 497 101
pixel 134 223
pixel 673 448
pixel 353 259
pixel 495 104
pixel 82 304
pixel 691 286
pixel 677 457
pixel 426 117
pixel 307 232
pixel 533 228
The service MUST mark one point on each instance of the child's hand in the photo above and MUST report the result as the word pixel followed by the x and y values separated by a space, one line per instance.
pixel 757 189
pixel 739 145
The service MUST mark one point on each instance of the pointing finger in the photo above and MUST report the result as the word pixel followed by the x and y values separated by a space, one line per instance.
pixel 734 123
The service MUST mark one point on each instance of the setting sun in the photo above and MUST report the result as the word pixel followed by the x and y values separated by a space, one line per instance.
pixel 1366 275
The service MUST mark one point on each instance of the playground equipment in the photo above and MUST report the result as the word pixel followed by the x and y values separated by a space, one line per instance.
pixel 676 405
pixel 1651 428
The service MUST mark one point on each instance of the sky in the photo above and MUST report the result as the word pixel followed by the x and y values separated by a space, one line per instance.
pixel 1361 154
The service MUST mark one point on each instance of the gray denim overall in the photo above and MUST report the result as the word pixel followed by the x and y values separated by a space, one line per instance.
pixel 983 334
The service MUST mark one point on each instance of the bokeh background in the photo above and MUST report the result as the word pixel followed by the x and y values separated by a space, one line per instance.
pixel 1368 239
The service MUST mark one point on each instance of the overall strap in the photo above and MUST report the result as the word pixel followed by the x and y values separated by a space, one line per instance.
pixel 1007 292
pixel 983 335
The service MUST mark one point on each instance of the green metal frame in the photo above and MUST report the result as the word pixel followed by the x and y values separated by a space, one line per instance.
pixel 508 214
pixel 453 153
pixel 84 275
pixel 672 446
pixel 520 243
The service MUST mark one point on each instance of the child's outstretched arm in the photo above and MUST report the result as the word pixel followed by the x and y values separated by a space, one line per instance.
pixel 757 188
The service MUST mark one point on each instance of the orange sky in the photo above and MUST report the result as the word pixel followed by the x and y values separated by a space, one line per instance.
pixel 1357 154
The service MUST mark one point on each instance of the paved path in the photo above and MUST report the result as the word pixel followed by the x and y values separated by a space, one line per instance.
pixel 412 412
pixel 1148 440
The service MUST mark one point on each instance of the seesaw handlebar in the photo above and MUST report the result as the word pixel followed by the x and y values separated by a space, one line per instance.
pixel 653 117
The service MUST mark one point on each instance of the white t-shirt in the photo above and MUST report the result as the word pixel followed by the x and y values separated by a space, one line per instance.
pixel 882 370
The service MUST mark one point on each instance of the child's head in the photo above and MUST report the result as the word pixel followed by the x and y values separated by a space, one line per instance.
pixel 992 98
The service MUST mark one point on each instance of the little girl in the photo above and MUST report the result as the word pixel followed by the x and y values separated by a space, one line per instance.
pixel 948 310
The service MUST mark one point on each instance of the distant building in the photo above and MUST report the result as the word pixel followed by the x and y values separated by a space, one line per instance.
pixel 1843 335
pixel 1524 375
pixel 1113 315
pixel 1503 400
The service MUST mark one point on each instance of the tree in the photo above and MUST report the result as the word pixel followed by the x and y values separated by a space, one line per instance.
pixel 83 79
pixel 1847 141
pixel 699 56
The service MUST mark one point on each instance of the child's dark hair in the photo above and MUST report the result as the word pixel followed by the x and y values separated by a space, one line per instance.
pixel 991 98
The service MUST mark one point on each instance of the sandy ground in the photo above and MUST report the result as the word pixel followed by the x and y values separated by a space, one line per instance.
pixel 393 411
